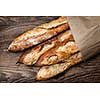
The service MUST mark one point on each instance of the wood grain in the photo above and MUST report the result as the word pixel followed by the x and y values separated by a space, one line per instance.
pixel 11 27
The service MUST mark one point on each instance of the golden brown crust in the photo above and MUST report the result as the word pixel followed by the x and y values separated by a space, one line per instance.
pixel 57 54
pixel 61 20
pixel 39 34
pixel 47 72
pixel 30 57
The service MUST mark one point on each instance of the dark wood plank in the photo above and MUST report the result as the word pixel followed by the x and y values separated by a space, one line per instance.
pixel 11 27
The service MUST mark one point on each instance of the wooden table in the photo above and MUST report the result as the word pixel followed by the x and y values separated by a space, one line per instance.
pixel 11 27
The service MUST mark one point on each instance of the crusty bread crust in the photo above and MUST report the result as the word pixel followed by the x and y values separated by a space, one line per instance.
pixel 38 34
pixel 31 57
pixel 57 54
pixel 47 72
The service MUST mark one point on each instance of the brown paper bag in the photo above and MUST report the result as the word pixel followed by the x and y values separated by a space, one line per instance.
pixel 86 31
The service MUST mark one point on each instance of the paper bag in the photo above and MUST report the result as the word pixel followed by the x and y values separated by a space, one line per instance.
pixel 86 31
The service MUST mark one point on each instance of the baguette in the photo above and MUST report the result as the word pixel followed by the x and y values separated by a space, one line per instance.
pixel 57 54
pixel 47 72
pixel 39 34
pixel 30 57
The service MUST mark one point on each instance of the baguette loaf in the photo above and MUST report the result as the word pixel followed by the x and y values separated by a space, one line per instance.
pixel 57 54
pixel 47 72
pixel 38 34
pixel 30 57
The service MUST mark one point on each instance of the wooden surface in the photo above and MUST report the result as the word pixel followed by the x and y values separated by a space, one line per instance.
pixel 11 27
